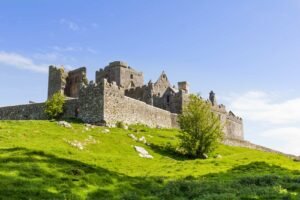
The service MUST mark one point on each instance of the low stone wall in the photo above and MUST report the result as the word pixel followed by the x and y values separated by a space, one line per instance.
pixel 34 111
pixel 247 144
pixel 118 107
pixel 23 112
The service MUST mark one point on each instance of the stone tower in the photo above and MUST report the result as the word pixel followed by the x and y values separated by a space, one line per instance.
pixel 184 86
pixel 67 83
pixel 56 81
pixel 122 74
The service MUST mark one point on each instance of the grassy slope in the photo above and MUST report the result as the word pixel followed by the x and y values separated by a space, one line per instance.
pixel 36 162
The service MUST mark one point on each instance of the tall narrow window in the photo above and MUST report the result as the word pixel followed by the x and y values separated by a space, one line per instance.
pixel 131 76
pixel 168 99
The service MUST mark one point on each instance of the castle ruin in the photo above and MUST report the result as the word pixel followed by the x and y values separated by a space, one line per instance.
pixel 119 94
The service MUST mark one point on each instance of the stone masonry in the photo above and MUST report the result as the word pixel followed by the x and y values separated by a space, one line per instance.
pixel 119 94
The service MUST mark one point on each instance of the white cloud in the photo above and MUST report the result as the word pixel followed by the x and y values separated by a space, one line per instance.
pixel 261 106
pixel 286 139
pixel 21 62
pixel 275 124
pixel 70 24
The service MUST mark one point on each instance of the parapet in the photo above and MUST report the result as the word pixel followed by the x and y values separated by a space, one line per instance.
pixel 231 116
pixel 118 63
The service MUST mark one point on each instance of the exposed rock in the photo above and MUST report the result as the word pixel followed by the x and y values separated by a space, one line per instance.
pixel 133 137
pixel 143 139
pixel 89 125
pixel 76 144
pixel 205 156
pixel 143 152
pixel 81 144
pixel 218 156
pixel 106 131
pixel 64 124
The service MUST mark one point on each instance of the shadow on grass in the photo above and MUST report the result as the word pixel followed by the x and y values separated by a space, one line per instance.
pixel 30 174
pixel 168 151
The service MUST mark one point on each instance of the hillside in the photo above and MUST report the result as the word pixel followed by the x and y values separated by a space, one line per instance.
pixel 42 160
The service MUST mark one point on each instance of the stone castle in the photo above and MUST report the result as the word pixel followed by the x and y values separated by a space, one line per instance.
pixel 119 94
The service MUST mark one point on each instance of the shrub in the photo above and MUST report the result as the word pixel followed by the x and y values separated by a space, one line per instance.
pixel 54 107
pixel 201 129
pixel 120 124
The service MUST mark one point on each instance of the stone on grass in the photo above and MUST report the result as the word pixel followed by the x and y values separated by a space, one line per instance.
pixel 64 124
pixel 106 131
pixel 133 137
pixel 218 156
pixel 89 125
pixel 205 156
pixel 143 140
pixel 143 152
pixel 81 144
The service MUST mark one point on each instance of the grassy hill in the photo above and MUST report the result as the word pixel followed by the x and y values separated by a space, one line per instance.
pixel 42 160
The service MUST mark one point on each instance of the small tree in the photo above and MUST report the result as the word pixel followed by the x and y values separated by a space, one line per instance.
pixel 201 129
pixel 54 107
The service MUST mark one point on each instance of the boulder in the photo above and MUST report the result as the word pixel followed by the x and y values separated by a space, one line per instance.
pixel 143 140
pixel 106 131
pixel 64 124
pixel 133 137
pixel 143 152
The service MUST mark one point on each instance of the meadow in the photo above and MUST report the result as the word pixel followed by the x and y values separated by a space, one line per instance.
pixel 42 160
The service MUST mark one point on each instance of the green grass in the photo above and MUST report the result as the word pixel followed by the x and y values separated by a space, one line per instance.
pixel 36 162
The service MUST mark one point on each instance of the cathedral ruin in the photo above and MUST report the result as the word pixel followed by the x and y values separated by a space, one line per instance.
pixel 120 95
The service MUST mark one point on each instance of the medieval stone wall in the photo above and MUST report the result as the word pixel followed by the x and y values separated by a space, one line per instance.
pixel 122 74
pixel 23 112
pixel 74 81
pixel 118 107
pixel 34 111
pixel 141 93
pixel 56 81
pixel 90 103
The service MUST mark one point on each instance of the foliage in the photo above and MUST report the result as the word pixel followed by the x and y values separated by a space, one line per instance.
pixel 201 130
pixel 120 124
pixel 54 107
pixel 38 163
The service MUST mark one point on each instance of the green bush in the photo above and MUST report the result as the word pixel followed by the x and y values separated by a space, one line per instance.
pixel 120 124
pixel 54 107
pixel 201 129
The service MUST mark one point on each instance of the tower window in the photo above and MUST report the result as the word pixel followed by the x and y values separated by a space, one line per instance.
pixel 131 76
pixel 168 99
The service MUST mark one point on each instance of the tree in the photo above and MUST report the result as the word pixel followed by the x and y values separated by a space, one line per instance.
pixel 201 129
pixel 54 106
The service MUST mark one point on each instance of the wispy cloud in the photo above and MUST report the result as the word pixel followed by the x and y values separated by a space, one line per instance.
pixel 275 123
pixel 70 24
pixel 74 49
pixel 261 106
pixel 21 62
pixel 66 49
pixel 286 139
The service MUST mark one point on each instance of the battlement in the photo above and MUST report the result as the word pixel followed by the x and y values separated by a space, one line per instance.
pixel 118 64
pixel 231 116
pixel 119 94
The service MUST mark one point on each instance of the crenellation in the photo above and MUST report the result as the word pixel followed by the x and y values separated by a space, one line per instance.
pixel 119 94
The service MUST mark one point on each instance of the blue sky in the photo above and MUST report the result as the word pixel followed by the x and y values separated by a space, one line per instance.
pixel 246 51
